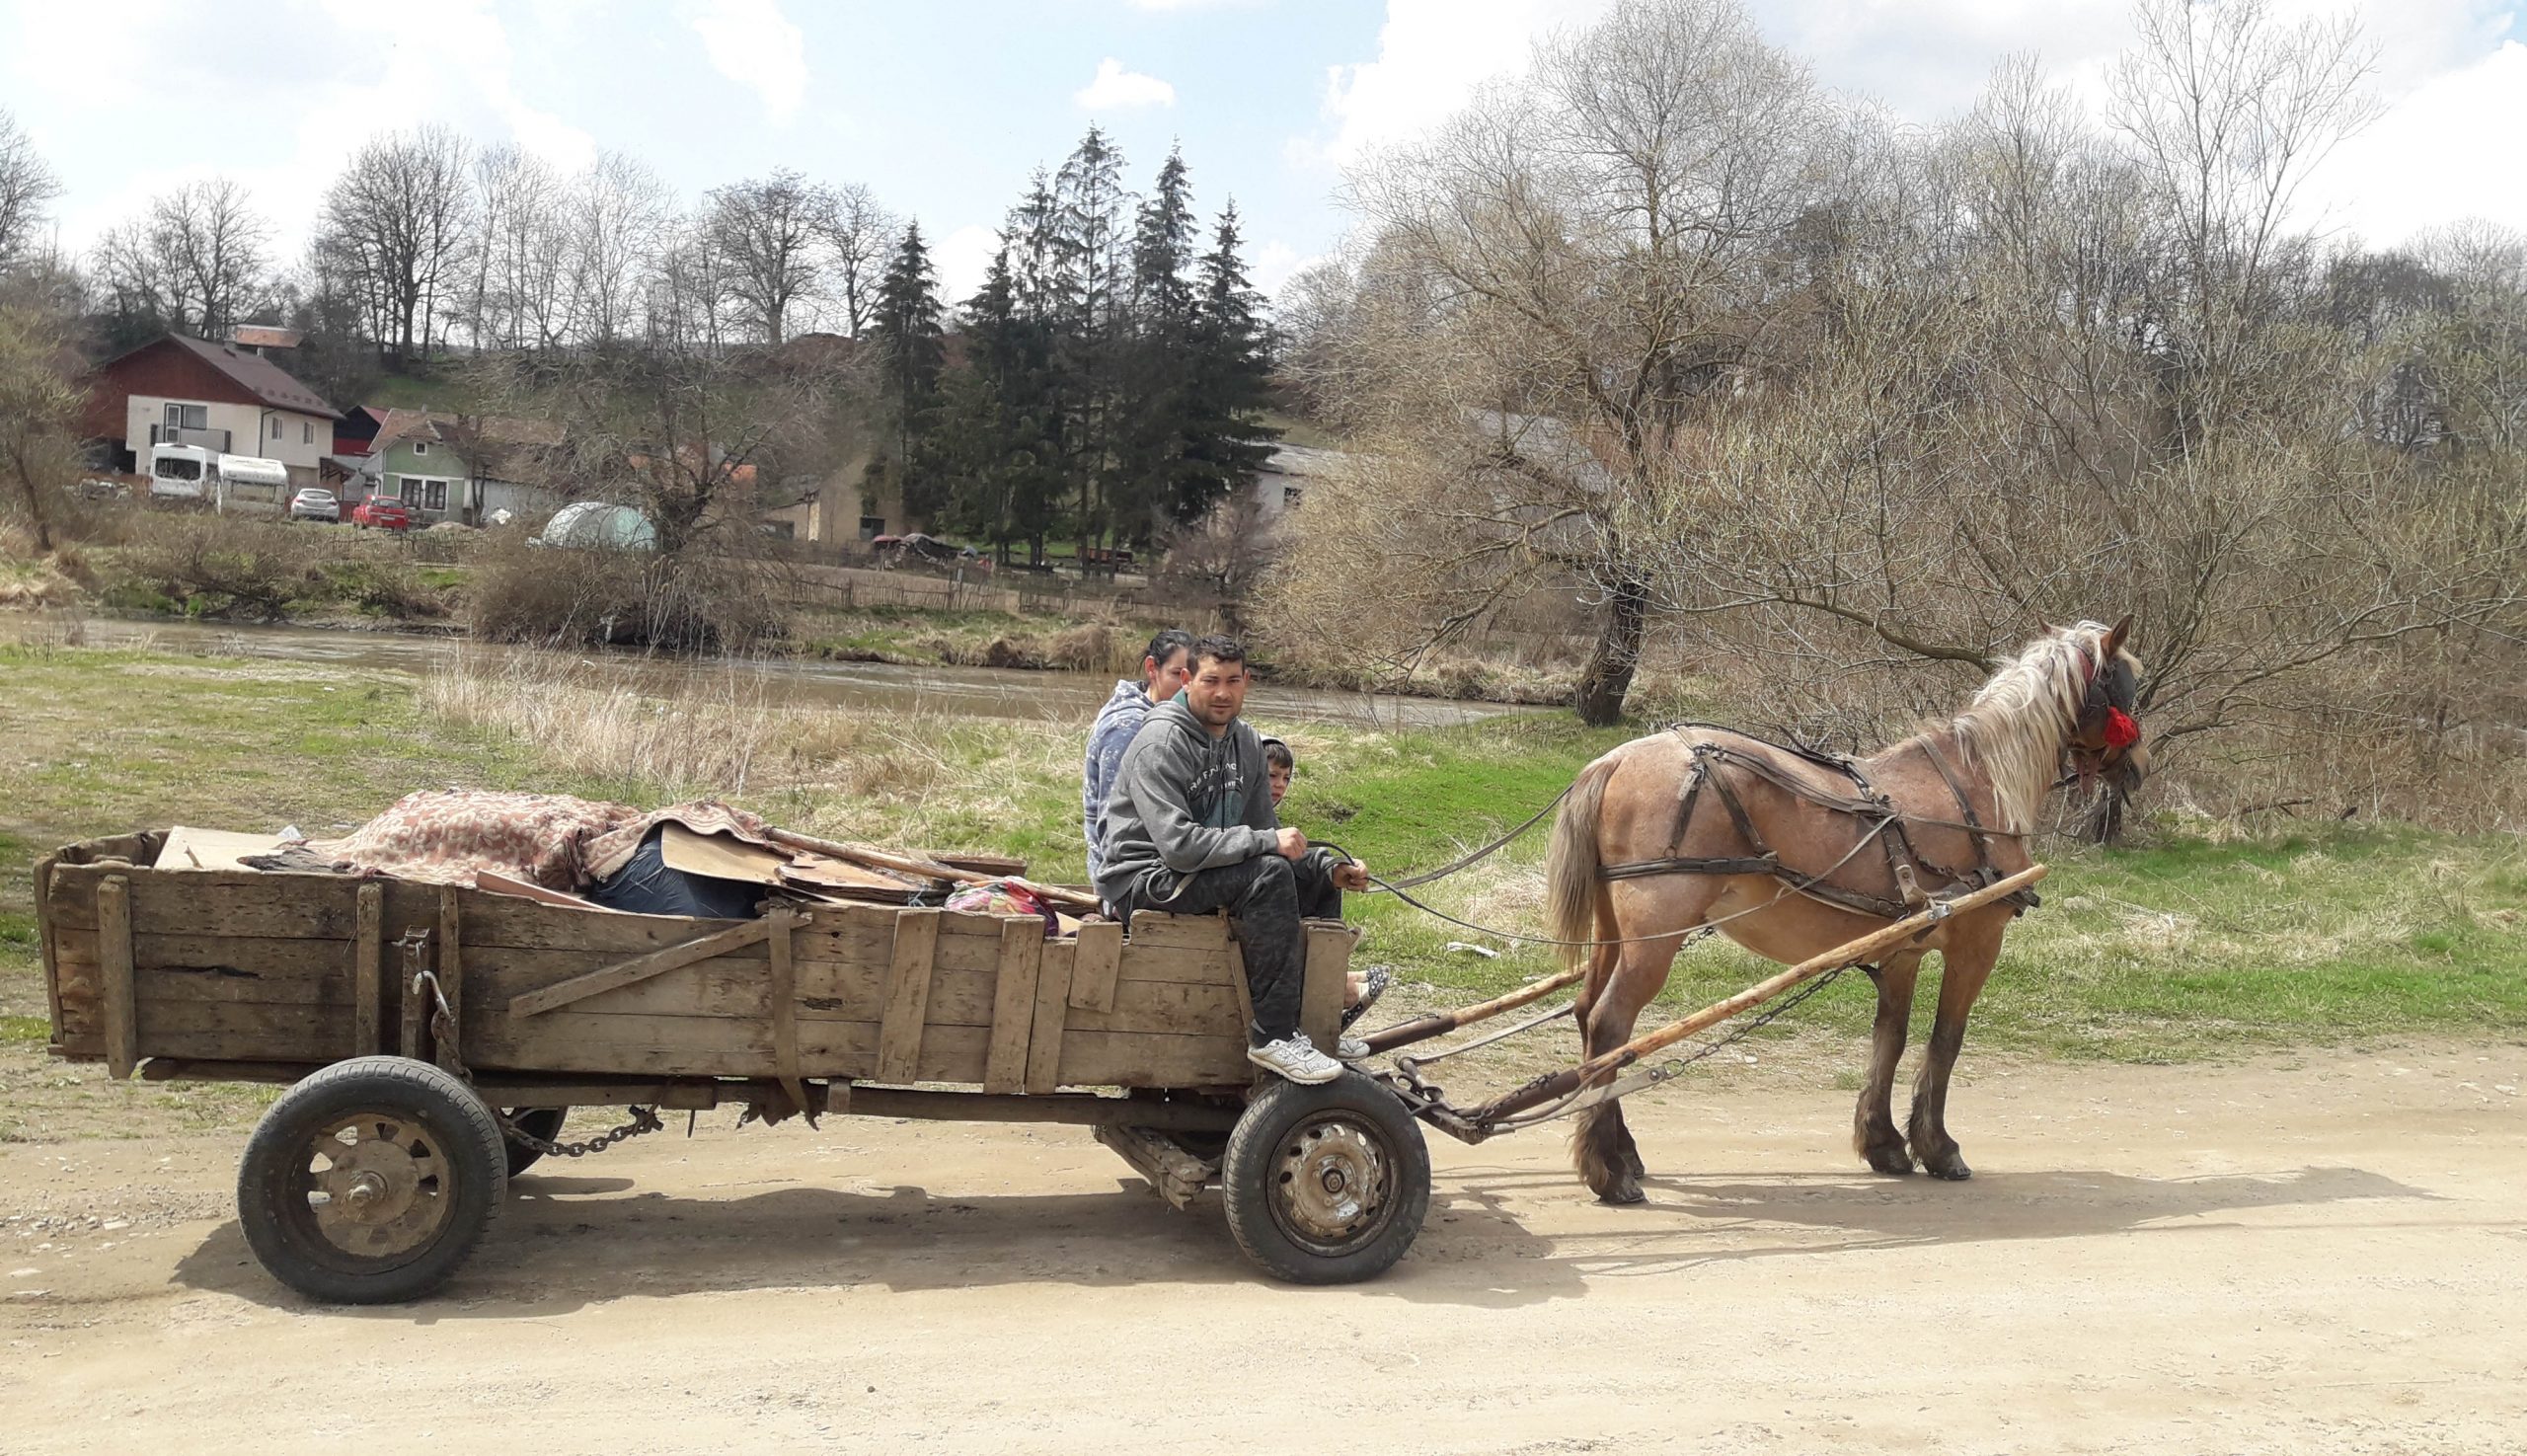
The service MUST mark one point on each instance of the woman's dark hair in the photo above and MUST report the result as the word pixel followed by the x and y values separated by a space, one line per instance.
pixel 1167 644
pixel 1218 650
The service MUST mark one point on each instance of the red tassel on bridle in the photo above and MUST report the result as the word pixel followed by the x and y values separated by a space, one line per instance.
pixel 2121 730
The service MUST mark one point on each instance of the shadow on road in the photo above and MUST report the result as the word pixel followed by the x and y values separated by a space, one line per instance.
pixel 560 1245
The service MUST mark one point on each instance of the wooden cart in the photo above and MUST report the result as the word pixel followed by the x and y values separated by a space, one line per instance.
pixel 431 1035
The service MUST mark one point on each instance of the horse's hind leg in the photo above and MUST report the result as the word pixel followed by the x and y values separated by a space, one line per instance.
pixel 1874 1135
pixel 1601 1146
pixel 1963 970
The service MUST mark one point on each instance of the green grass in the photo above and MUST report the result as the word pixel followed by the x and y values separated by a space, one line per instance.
pixel 408 392
pixel 2194 944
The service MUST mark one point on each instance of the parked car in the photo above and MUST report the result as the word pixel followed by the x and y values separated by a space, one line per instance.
pixel 313 505
pixel 385 512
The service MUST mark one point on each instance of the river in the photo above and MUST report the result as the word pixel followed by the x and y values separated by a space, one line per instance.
pixel 978 692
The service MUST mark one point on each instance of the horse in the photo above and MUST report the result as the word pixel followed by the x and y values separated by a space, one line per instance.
pixel 1702 827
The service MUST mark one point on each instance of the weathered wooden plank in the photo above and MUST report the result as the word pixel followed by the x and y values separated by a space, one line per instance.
pixel 451 978
pixel 251 1033
pixel 45 938
pixel 681 1046
pixel 721 986
pixel 1013 1010
pixel 1052 1004
pixel 1146 1059
pixel 1170 1007
pixel 1092 975
pixel 234 988
pixel 632 972
pixel 1172 964
pixel 910 966
pixel 368 982
pixel 784 995
pixel 1179 932
pixel 113 947
pixel 1327 947
pixel 1176 1174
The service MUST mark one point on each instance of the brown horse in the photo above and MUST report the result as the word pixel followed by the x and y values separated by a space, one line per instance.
pixel 1703 825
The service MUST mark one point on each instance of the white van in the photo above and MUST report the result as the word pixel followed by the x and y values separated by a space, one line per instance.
pixel 192 473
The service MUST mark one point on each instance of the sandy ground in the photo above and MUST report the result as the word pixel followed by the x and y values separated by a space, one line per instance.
pixel 2324 1255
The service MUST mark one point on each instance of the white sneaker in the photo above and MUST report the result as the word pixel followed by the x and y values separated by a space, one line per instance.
pixel 1295 1057
pixel 1350 1048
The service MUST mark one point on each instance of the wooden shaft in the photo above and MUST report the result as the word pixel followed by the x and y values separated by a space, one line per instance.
pixel 1438 1023
pixel 1860 952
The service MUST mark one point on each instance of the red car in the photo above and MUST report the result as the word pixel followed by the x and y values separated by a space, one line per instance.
pixel 384 512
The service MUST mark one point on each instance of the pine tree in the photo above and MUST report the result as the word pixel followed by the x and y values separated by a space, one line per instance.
pixel 1151 430
pixel 905 326
pixel 1229 383
pixel 1091 252
pixel 998 412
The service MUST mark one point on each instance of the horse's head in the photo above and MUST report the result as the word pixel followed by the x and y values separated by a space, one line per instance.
pixel 2105 729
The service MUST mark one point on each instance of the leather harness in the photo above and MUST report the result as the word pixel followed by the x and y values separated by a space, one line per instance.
pixel 1887 824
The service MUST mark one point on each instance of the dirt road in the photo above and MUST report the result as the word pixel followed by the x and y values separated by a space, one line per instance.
pixel 2328 1255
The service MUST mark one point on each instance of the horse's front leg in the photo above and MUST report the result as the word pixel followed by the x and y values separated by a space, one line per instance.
pixel 1964 968
pixel 1875 1136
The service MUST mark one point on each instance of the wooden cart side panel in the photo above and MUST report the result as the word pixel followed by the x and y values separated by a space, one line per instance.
pixel 44 947
pixel 1329 963
pixel 1053 1013
pixel 1092 978
pixel 1013 1009
pixel 906 989
pixel 115 975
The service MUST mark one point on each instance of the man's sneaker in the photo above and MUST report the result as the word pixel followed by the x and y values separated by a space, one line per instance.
pixel 1350 1048
pixel 1295 1057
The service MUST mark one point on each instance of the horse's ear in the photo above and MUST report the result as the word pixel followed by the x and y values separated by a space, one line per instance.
pixel 2114 637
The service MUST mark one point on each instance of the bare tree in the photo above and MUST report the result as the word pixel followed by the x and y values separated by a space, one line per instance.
pixel 617 213
pixel 399 216
pixel 193 263
pixel 861 234
pixel 1556 282
pixel 38 408
pixel 766 231
pixel 518 297
pixel 28 187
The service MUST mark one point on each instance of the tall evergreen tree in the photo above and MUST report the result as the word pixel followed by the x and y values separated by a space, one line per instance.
pixel 906 328
pixel 1151 431
pixel 997 435
pixel 1229 383
pixel 1091 251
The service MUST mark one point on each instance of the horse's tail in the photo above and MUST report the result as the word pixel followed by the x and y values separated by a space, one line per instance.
pixel 1570 870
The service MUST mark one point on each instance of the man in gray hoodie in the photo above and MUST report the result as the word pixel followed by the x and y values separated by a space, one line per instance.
pixel 1190 829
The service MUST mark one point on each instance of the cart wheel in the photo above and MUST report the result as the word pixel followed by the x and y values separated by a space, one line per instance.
pixel 1326 1185
pixel 542 1123
pixel 371 1180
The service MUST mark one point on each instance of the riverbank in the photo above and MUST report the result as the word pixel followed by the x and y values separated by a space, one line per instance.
pixel 2200 941
pixel 197 570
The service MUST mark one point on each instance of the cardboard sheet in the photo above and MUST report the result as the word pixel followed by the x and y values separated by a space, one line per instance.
pixel 211 849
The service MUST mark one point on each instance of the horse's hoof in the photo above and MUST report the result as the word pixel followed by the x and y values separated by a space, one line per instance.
pixel 1621 1191
pixel 1954 1169
pixel 1632 1160
pixel 1890 1160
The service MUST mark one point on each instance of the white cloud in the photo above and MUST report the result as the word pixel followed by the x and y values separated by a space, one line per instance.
pixel 2442 153
pixel 1431 55
pixel 1114 88
pixel 751 42
pixel 962 258
pixel 1275 264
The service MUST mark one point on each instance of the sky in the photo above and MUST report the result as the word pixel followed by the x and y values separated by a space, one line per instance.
pixel 945 107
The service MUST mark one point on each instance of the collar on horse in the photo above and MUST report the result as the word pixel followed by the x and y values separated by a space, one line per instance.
pixel 1886 823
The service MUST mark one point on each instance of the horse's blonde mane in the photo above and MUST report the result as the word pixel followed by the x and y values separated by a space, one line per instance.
pixel 2018 719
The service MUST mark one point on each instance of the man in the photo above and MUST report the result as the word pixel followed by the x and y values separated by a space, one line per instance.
pixel 1164 668
pixel 1190 829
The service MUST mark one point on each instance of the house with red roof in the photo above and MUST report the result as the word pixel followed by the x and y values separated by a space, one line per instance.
pixel 218 396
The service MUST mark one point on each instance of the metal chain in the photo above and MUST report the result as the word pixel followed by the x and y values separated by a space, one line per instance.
pixel 642 1120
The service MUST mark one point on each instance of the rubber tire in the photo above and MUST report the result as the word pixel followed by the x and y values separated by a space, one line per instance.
pixel 544 1123
pixel 1245 1177
pixel 477 1160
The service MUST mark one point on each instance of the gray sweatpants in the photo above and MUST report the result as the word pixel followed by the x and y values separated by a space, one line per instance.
pixel 1268 895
